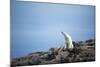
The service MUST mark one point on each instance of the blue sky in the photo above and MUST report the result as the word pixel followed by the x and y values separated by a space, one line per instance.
pixel 38 26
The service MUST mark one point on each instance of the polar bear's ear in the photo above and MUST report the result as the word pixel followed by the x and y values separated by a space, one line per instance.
pixel 63 33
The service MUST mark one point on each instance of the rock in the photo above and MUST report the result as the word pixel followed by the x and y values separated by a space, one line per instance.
pixel 61 57
pixel 83 51
pixel 34 61
pixel 45 56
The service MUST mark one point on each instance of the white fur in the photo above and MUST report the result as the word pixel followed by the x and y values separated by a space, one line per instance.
pixel 68 40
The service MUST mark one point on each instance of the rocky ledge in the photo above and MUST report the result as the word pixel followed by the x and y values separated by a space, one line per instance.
pixel 83 51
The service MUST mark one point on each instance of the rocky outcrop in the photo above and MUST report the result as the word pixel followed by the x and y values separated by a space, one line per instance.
pixel 83 51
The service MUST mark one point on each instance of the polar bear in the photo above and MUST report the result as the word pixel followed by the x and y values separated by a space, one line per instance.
pixel 68 40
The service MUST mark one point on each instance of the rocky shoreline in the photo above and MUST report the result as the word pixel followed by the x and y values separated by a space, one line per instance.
pixel 83 51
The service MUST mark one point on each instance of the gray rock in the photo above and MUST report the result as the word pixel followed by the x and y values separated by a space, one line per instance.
pixel 83 51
